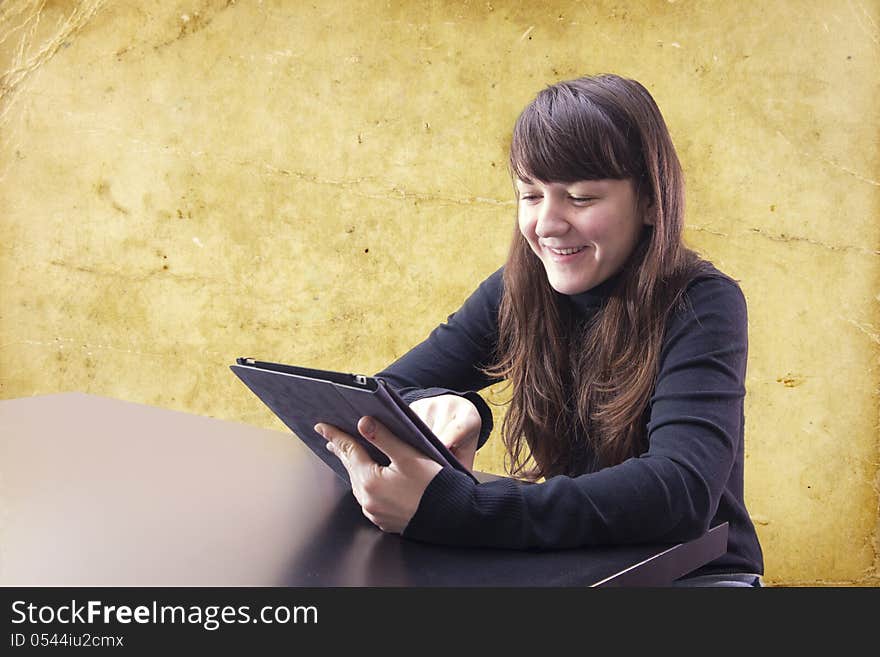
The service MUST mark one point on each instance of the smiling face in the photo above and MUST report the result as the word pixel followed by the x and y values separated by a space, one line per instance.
pixel 582 231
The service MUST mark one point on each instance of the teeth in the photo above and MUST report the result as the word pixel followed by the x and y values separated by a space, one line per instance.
pixel 568 251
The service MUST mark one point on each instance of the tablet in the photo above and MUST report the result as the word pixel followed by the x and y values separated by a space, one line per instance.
pixel 301 397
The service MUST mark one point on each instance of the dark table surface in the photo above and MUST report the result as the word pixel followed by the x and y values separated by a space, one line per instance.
pixel 102 492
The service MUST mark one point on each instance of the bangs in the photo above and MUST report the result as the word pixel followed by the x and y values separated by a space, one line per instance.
pixel 565 136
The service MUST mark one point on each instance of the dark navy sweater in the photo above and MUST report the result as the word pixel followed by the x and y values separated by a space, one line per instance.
pixel 689 479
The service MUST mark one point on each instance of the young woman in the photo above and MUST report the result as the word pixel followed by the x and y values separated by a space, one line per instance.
pixel 625 352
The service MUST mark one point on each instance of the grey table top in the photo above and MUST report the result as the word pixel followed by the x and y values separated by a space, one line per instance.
pixel 103 492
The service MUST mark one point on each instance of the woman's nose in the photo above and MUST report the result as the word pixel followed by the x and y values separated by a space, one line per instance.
pixel 551 219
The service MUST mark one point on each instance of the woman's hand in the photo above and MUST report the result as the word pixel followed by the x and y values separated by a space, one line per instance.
pixel 389 495
pixel 455 421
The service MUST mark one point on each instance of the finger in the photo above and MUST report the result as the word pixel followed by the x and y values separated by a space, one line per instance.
pixel 454 436
pixel 344 447
pixel 345 464
pixel 372 518
pixel 425 408
pixel 389 444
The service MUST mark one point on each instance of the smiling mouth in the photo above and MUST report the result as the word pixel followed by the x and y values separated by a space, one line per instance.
pixel 571 251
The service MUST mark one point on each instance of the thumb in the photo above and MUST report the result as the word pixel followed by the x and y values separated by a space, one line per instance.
pixel 389 444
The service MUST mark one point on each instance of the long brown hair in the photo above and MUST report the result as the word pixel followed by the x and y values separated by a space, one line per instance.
pixel 591 383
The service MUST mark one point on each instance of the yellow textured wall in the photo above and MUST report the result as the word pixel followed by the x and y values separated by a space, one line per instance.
pixel 184 182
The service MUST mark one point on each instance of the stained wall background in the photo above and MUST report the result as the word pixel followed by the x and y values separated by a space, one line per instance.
pixel 186 181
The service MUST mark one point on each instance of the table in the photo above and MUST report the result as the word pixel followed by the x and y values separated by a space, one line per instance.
pixel 103 492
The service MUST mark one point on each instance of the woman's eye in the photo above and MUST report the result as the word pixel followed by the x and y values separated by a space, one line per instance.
pixel 582 199
pixel 529 197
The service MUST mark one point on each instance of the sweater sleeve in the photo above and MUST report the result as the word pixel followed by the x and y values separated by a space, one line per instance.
pixel 669 493
pixel 448 360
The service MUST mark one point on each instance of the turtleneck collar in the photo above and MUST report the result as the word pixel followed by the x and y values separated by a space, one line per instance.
pixel 586 303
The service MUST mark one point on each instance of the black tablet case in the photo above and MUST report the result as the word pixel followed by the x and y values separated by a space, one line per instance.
pixel 301 397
